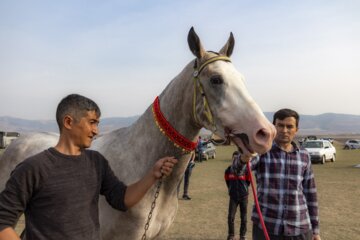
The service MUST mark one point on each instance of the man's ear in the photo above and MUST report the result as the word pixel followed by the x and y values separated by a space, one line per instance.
pixel 68 122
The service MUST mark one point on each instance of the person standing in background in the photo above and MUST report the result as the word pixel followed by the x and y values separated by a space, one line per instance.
pixel 237 181
pixel 187 176
pixel 200 149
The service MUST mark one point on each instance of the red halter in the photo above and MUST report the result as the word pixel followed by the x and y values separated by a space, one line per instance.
pixel 165 127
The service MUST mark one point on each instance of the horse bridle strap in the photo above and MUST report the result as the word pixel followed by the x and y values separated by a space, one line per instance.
pixel 207 62
pixel 168 130
pixel 198 87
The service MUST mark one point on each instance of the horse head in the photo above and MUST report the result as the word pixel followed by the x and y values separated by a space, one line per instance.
pixel 221 101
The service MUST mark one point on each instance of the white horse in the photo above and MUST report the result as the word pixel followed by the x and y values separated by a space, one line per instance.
pixel 209 93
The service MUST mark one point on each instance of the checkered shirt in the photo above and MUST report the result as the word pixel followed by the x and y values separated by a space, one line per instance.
pixel 286 192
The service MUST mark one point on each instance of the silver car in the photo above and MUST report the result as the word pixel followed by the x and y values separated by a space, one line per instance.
pixel 208 152
pixel 352 144
pixel 320 150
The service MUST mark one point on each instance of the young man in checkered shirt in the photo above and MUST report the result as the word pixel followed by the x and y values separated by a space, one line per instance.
pixel 285 184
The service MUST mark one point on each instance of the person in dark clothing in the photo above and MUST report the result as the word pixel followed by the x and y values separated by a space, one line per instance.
pixel 58 189
pixel 237 181
pixel 200 148
pixel 187 176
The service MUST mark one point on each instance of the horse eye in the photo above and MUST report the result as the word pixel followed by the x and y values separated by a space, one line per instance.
pixel 216 80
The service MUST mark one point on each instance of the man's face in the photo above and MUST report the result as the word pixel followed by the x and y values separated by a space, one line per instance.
pixel 286 130
pixel 85 129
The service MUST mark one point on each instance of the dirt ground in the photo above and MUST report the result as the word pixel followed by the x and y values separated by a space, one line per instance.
pixel 205 216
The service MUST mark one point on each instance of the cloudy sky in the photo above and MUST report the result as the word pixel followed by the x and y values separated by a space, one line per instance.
pixel 298 54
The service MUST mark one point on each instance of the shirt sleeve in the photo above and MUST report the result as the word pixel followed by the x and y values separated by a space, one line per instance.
pixel 226 177
pixel 21 185
pixel 112 188
pixel 311 197
pixel 254 163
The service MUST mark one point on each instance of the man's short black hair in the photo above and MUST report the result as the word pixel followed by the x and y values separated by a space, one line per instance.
pixel 76 106
pixel 285 113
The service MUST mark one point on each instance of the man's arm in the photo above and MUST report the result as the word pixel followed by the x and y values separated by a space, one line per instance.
pixel 136 191
pixel 309 189
pixel 8 234
pixel 14 198
pixel 227 177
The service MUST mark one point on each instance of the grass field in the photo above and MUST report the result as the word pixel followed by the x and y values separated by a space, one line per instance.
pixel 205 216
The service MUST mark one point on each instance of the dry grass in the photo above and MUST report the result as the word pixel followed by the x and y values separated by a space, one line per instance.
pixel 205 216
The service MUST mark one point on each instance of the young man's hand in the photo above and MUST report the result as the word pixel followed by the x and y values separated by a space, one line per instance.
pixel 136 191
pixel 8 234
pixel 164 167
pixel 245 158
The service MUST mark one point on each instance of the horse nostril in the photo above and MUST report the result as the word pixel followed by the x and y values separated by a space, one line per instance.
pixel 262 135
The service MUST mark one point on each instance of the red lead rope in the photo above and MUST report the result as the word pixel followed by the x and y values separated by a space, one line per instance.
pixel 257 202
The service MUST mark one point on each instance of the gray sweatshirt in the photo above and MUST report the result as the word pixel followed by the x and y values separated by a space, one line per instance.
pixel 59 195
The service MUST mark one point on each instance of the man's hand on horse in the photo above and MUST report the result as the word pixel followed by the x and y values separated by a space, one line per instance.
pixel 164 166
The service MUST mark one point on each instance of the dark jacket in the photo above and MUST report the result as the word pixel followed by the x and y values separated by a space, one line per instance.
pixel 237 181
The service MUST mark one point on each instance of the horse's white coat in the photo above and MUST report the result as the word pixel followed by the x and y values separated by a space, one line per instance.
pixel 132 151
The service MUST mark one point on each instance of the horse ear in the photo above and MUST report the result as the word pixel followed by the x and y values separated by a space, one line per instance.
pixel 195 44
pixel 229 46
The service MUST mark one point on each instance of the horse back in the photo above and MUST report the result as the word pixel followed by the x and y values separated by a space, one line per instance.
pixel 27 145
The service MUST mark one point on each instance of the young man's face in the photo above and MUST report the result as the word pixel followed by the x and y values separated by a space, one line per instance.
pixel 85 130
pixel 286 130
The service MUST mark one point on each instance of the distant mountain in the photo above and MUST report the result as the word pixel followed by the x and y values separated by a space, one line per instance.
pixel 10 124
pixel 328 123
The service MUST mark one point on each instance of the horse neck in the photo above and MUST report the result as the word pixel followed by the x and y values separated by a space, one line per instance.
pixel 176 103
pixel 176 106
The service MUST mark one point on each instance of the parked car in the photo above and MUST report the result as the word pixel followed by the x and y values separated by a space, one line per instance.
pixel 320 150
pixel 7 137
pixel 304 139
pixel 331 140
pixel 311 137
pixel 352 144
pixel 208 152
